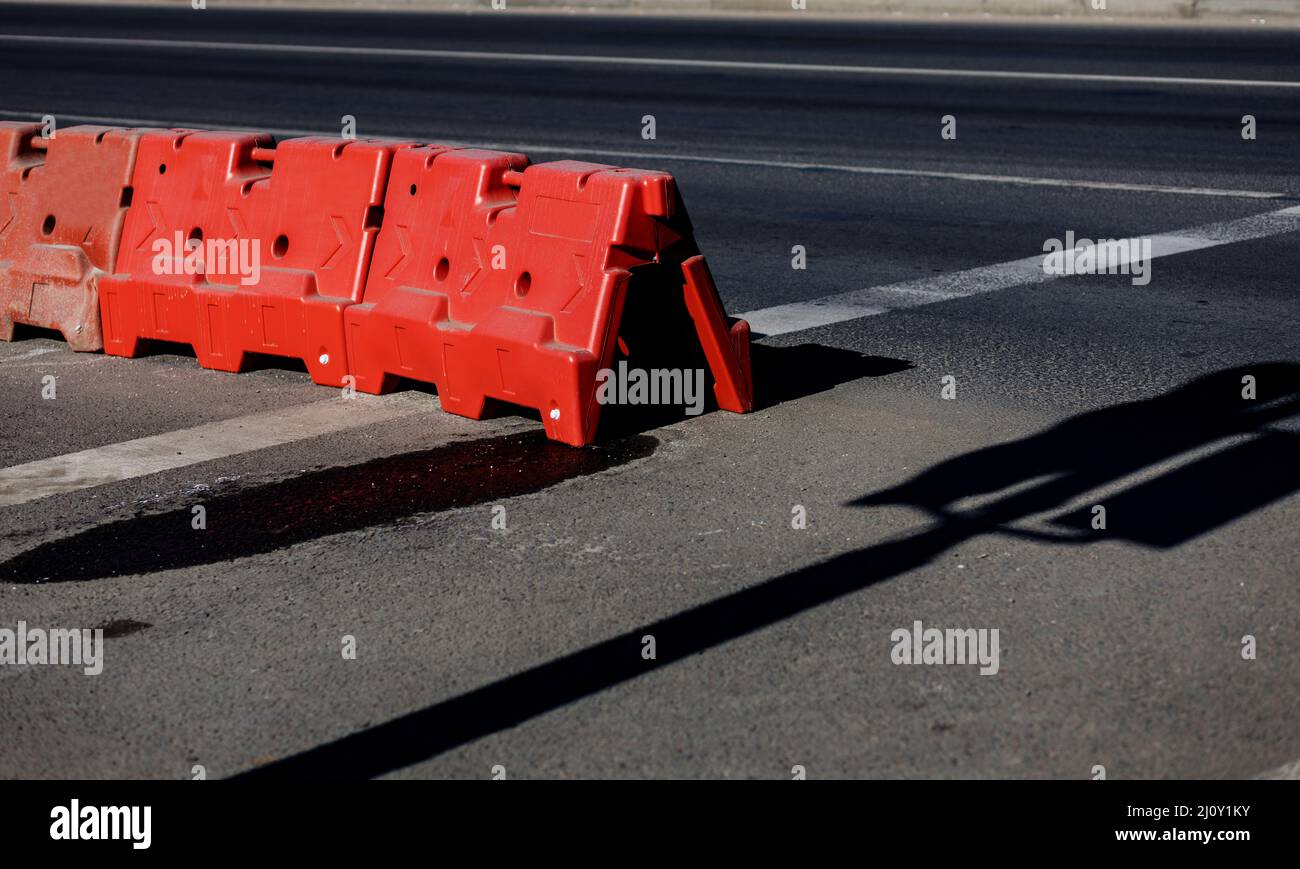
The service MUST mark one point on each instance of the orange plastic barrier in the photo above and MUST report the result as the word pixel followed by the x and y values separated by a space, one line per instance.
pixel 236 246
pixel 62 204
pixel 368 260
pixel 495 279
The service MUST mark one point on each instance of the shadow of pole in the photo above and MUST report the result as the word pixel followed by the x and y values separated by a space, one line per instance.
pixel 431 731
pixel 1069 455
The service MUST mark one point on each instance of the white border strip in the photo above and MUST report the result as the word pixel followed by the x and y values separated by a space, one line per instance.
pixel 855 304
pixel 189 446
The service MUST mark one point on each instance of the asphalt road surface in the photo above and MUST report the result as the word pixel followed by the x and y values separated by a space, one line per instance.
pixel 1163 645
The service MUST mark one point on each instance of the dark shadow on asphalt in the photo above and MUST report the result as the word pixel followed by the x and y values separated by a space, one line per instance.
pixel 319 503
pixel 1089 450
pixel 656 331
pixel 781 374
pixel 784 374
pixel 161 350
pixel 1100 448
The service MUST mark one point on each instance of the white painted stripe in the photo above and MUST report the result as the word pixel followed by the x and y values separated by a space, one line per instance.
pixel 64 360
pixel 38 351
pixel 986 178
pixel 656 156
pixel 651 62
pixel 176 449
pixel 855 304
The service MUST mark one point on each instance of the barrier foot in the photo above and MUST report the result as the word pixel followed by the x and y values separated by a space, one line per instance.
pixel 726 345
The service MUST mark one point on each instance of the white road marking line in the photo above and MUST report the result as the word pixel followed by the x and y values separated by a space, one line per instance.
pixel 149 455
pixel 911 173
pixel 653 62
pixel 79 359
pixel 653 156
pixel 38 351
pixel 855 304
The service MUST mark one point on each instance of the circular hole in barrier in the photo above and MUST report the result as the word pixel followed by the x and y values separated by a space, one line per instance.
pixel 162 168
pixel 196 234
pixel 412 189
pixel 48 226
pixel 440 270
pixel 523 283
pixel 280 246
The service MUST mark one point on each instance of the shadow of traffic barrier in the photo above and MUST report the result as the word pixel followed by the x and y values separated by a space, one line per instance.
pixel 1073 458
pixel 781 374
pixel 658 333
pixel 348 498
pixel 334 500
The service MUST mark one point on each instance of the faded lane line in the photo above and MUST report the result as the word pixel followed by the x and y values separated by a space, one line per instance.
pixel 176 449
pixel 1028 180
pixel 28 354
pixel 795 165
pixel 855 304
pixel 650 62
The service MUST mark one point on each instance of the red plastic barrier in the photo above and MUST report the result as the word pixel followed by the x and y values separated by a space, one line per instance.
pixel 286 235
pixel 490 278
pixel 62 204
pixel 495 279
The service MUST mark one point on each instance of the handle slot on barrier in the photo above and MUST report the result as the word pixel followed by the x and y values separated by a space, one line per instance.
pixel 31 151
